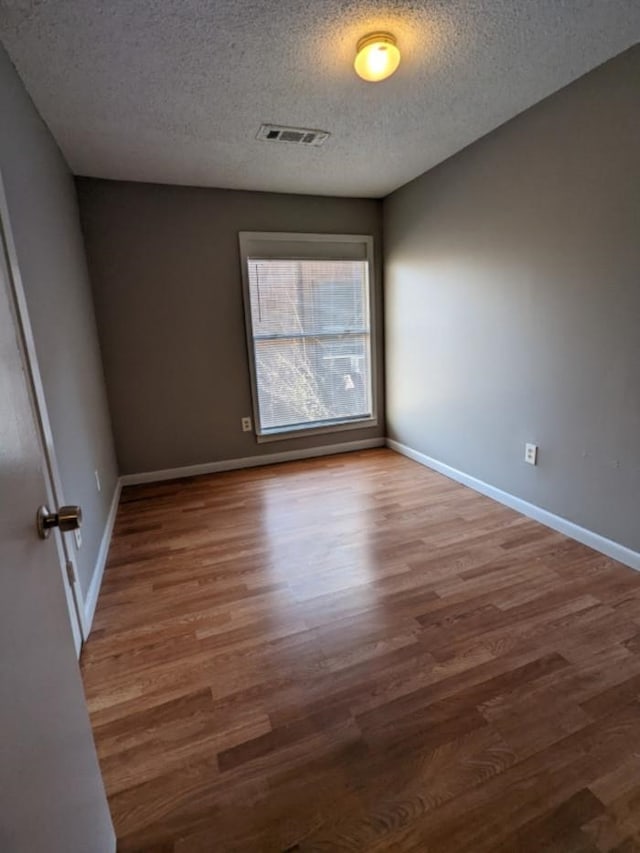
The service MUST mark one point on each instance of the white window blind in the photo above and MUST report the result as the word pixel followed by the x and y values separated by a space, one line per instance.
pixel 309 329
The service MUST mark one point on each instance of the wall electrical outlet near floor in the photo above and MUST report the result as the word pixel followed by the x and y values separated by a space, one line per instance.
pixel 531 454
pixel 246 424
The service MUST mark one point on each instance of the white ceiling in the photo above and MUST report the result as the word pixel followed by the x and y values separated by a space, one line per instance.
pixel 174 91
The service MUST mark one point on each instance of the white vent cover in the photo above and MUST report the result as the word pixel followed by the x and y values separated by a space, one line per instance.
pixel 295 135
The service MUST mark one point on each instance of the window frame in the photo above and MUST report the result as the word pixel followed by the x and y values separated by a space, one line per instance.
pixel 247 239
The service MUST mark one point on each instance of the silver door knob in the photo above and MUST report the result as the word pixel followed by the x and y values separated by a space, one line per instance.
pixel 67 518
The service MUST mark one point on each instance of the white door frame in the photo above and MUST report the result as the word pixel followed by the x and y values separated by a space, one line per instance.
pixel 55 492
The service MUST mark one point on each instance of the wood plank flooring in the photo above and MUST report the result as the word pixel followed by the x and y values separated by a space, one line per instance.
pixel 356 654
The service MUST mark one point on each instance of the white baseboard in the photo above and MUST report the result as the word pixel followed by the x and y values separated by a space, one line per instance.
pixel 555 522
pixel 91 600
pixel 248 462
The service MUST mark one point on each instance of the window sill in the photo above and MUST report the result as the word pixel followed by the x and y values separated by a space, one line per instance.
pixel 301 432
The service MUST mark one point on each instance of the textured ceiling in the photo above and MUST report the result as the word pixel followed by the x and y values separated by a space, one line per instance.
pixel 174 91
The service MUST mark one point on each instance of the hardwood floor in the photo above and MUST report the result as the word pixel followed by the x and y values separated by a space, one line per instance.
pixel 356 654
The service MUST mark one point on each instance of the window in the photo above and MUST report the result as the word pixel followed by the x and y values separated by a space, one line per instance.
pixel 308 307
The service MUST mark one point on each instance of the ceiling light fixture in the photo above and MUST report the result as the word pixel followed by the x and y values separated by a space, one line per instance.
pixel 377 57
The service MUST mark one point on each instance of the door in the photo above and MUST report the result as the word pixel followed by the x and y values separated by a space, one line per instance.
pixel 55 496
pixel 52 799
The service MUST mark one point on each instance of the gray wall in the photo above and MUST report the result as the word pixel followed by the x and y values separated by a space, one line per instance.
pixel 165 270
pixel 46 229
pixel 512 296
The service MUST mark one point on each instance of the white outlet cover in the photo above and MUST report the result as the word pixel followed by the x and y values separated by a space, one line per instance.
pixel 531 453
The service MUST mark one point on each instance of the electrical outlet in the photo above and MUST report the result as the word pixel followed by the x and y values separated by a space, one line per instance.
pixel 246 424
pixel 531 454
pixel 78 538
pixel 98 483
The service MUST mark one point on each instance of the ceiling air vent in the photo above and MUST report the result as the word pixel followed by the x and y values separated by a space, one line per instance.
pixel 295 135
